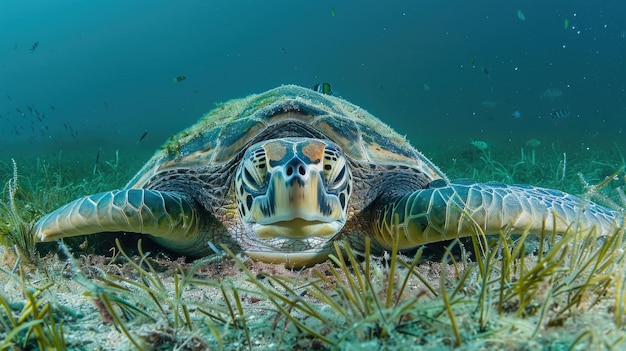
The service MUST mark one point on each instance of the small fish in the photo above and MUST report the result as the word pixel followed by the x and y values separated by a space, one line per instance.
pixel 73 132
pixel 480 145
pixel 551 93
pixel 485 71
pixel 560 114
pixel 516 114
pixel 520 15
pixel 178 79
pixel 9 97
pixel 566 24
pixel 473 62
pixel 323 88
pixel 34 47
pixel 143 136
pixel 52 107
pixel 332 12
pixel 20 112
pixel 106 104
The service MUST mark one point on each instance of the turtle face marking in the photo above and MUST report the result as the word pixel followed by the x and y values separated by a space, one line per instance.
pixel 293 193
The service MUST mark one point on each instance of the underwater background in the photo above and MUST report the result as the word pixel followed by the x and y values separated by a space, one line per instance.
pixel 97 75
pixel 512 91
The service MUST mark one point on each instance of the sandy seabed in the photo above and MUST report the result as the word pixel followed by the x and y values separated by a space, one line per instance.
pixel 221 306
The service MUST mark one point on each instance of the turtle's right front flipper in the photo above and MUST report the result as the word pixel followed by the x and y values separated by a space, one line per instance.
pixel 167 216
pixel 463 208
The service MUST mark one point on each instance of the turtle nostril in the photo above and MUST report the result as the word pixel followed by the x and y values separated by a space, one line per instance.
pixel 295 168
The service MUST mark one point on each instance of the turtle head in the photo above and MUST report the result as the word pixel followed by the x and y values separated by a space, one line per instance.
pixel 292 196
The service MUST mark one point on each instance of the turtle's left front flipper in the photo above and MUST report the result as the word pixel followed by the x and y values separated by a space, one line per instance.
pixel 463 208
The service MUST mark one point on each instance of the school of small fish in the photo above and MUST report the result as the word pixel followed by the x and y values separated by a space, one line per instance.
pixel 548 94
pixel 30 123
pixel 36 127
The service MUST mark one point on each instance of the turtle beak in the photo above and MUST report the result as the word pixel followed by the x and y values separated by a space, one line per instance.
pixel 296 205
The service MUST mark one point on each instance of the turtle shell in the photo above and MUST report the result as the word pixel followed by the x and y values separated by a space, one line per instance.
pixel 222 135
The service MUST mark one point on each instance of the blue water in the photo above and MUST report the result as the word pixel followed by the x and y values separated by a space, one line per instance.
pixel 438 71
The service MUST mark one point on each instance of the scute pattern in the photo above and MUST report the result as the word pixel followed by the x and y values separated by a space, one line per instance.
pixel 223 133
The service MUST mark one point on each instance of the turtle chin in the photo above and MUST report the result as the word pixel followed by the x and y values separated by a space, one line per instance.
pixel 294 243
pixel 293 259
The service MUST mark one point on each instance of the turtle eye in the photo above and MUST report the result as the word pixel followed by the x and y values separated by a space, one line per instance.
pixel 255 170
pixel 335 168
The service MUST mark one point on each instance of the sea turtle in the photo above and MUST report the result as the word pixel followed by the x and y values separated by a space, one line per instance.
pixel 282 174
